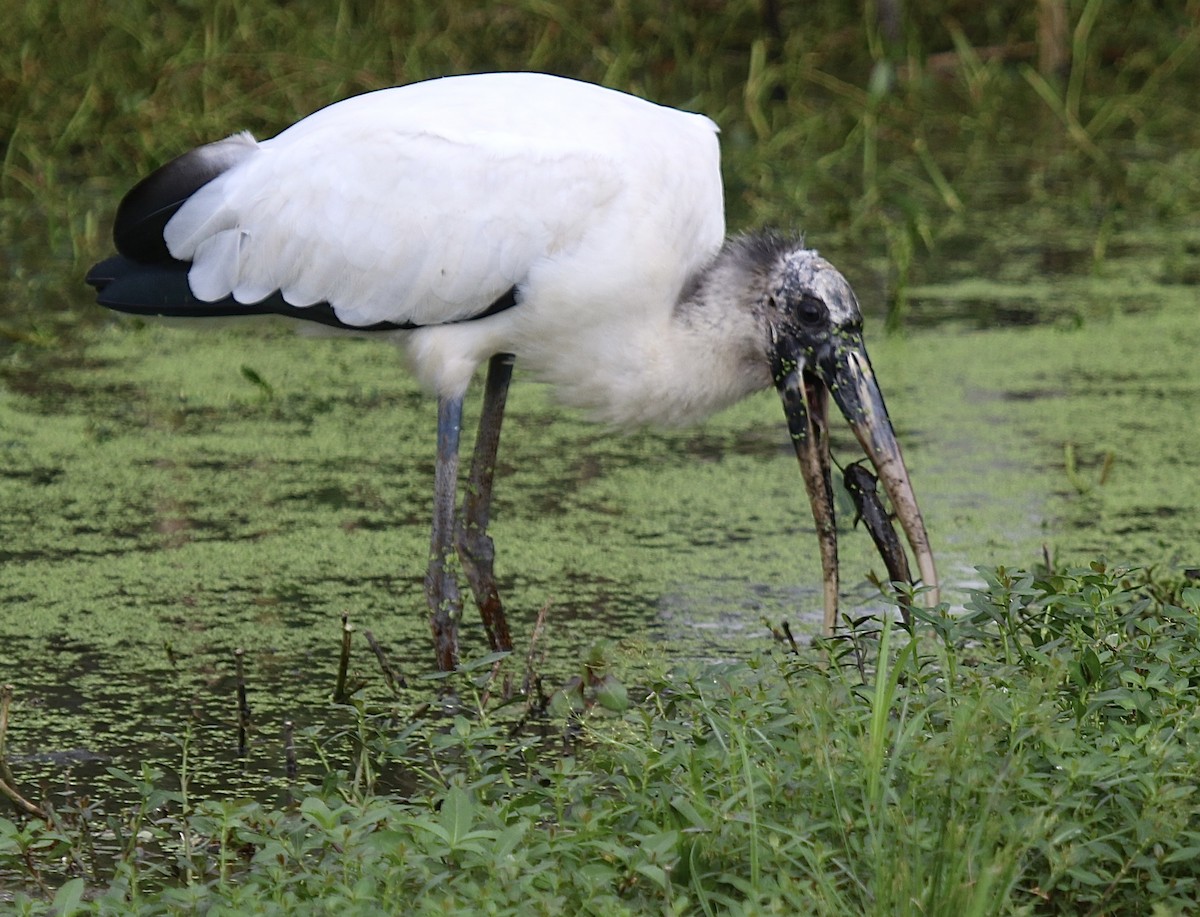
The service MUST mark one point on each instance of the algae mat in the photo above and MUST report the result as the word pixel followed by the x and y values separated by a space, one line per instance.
pixel 171 496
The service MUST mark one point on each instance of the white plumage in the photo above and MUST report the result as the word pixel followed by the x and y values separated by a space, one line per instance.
pixel 480 218
pixel 425 203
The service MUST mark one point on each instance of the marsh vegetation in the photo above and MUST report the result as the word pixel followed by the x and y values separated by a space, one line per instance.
pixel 1025 237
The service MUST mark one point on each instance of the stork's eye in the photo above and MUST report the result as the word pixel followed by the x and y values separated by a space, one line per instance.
pixel 812 311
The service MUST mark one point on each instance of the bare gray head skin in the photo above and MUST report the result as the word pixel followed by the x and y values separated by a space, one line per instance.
pixel 810 327
pixel 786 286
pixel 804 275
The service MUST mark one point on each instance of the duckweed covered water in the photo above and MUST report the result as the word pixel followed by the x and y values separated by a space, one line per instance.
pixel 174 495
pixel 169 496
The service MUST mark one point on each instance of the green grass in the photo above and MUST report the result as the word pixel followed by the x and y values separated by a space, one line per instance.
pixel 1034 755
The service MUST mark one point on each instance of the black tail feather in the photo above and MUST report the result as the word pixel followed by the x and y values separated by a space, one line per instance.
pixel 150 289
pixel 162 290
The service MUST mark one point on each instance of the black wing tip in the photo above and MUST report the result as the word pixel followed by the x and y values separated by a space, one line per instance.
pixel 148 206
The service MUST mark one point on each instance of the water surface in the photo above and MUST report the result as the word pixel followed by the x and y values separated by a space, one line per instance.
pixel 172 496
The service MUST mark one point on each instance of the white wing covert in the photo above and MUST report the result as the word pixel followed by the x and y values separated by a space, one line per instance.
pixel 386 223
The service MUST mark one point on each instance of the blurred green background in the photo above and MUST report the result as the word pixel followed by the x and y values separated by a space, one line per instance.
pixel 893 132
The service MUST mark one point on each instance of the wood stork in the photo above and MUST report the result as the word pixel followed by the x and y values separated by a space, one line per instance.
pixel 498 216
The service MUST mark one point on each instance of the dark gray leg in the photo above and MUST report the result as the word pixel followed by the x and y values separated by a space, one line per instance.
pixel 475 547
pixel 441 587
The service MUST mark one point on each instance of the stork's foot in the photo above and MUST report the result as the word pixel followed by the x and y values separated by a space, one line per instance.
pixel 477 553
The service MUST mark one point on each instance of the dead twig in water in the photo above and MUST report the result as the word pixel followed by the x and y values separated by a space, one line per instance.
pixel 30 808
pixel 6 696
pixel 531 686
pixel 289 749
pixel 787 632
pixel 243 705
pixel 339 693
pixel 505 688
pixel 7 781
pixel 539 627
pixel 394 681
pixel 782 634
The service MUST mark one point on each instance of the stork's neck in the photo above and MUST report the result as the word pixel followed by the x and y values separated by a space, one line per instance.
pixel 667 350
pixel 704 354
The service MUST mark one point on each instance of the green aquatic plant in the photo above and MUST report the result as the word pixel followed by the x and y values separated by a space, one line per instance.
pixel 1035 755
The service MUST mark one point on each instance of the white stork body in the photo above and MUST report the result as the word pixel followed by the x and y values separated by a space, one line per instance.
pixel 482 218
pixel 425 203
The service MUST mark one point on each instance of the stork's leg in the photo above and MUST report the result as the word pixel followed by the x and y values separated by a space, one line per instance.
pixel 475 547
pixel 441 587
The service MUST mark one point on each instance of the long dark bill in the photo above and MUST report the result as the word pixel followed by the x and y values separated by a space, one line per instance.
pixel 842 368
pixel 806 406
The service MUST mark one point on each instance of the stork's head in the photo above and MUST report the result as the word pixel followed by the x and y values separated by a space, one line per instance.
pixel 814 344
